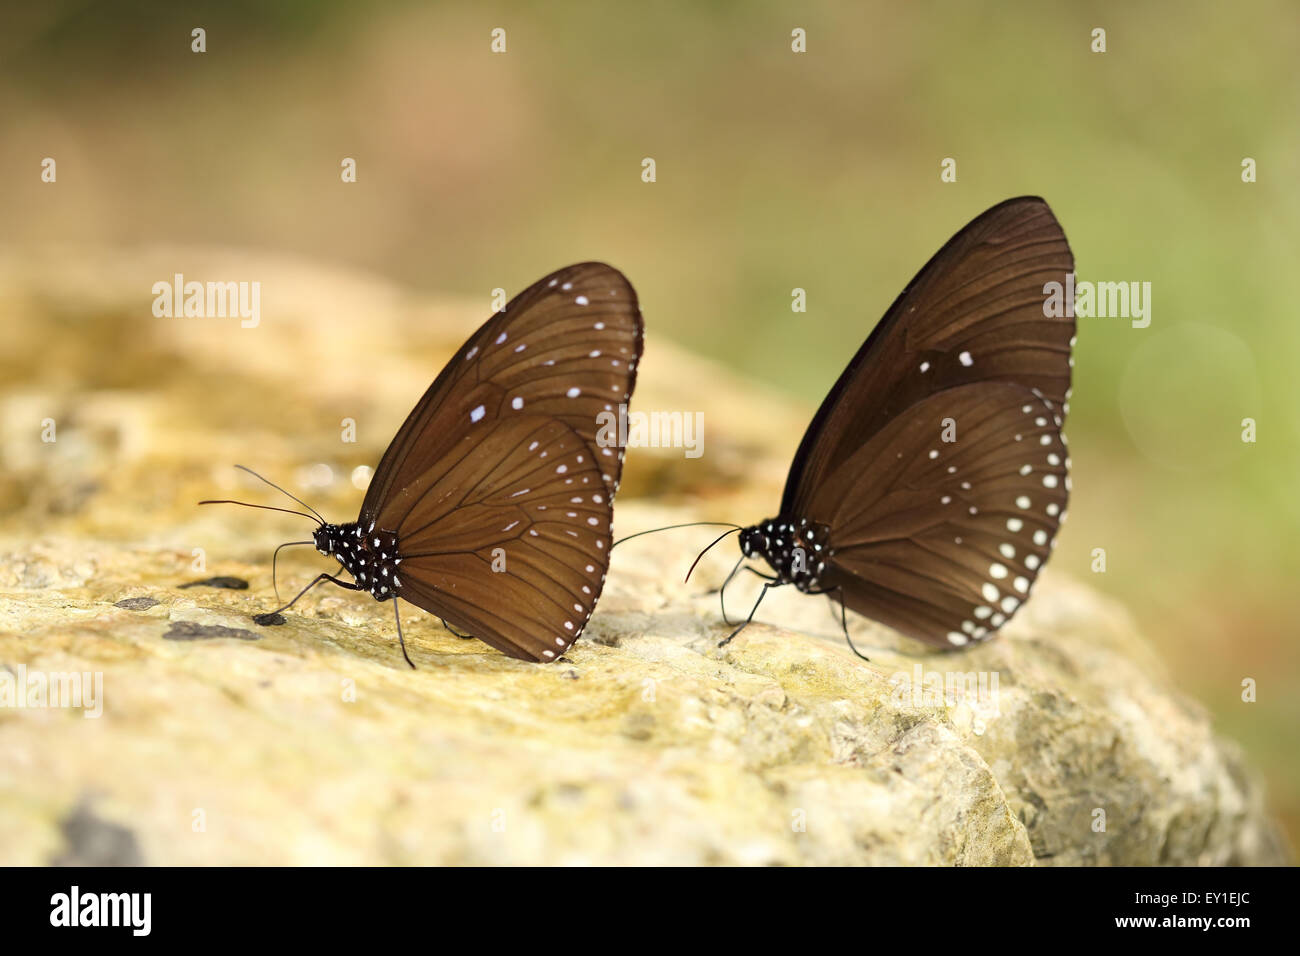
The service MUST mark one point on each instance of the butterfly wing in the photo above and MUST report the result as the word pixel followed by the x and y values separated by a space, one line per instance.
pixel 577 328
pixel 513 538
pixel 473 482
pixel 974 313
pixel 944 540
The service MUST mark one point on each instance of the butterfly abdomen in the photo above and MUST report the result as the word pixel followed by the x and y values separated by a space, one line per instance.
pixel 796 549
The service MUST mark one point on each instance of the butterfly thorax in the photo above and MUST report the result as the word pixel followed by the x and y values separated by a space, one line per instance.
pixel 796 549
pixel 369 555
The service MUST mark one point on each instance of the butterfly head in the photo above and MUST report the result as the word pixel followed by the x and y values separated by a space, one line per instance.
pixel 753 541
pixel 326 538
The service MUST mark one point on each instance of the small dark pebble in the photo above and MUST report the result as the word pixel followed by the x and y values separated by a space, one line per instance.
pixel 136 604
pixel 269 620
pixel 191 631
pixel 230 584
pixel 92 841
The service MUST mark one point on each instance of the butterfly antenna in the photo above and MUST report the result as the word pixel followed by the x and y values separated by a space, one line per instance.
pixel 288 511
pixel 692 524
pixel 283 492
pixel 706 551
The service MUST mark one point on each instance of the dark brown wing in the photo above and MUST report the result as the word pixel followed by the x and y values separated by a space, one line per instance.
pixel 943 540
pixel 577 328
pixel 474 481
pixel 974 313
pixel 512 537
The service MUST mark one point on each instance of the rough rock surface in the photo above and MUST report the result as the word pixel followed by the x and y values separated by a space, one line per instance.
pixel 221 741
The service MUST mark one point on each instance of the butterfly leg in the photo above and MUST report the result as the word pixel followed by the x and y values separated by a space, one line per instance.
pixel 752 612
pixel 832 596
pixel 266 618
pixel 757 573
pixel 727 579
pixel 288 544
pixel 446 626
pixel 400 639
pixel 844 623
pixel 722 590
pixel 736 570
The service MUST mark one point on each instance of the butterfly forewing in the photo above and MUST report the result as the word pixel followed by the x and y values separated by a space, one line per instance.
pixel 974 313
pixel 943 539
pixel 565 347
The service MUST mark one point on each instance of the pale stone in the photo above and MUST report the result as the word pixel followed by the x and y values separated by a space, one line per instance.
pixel 312 742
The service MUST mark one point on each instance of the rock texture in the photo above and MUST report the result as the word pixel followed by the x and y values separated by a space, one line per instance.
pixel 221 741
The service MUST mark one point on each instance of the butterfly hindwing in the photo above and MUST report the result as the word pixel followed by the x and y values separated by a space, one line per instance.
pixel 517 549
pixel 943 540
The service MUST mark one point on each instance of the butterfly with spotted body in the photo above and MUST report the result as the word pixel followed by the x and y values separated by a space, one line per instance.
pixel 493 505
pixel 928 490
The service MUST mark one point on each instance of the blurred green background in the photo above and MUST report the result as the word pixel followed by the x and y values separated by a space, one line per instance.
pixel 775 170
